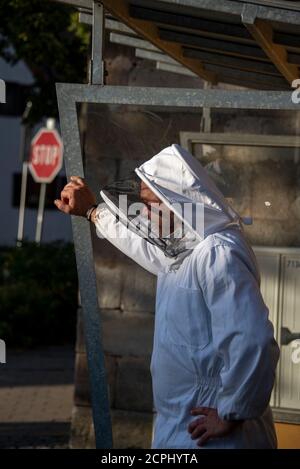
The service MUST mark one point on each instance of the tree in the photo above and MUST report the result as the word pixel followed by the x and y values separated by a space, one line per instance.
pixel 49 39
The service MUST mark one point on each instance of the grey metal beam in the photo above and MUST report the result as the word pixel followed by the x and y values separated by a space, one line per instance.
pixel 85 18
pixel 132 42
pixel 204 42
pixel 191 99
pixel 275 12
pixel 249 140
pixel 118 26
pixel 164 62
pixel 155 56
pixel 287 5
pixel 175 69
pixel 86 272
pixel 97 63
pixel 232 61
pixel 235 7
pixel 86 4
pixel 112 25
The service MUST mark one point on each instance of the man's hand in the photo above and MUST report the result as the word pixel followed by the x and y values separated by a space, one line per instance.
pixel 76 197
pixel 209 425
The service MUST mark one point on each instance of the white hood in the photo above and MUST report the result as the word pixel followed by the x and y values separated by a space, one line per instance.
pixel 175 176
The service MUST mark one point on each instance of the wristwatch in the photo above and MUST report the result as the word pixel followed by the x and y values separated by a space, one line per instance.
pixel 90 211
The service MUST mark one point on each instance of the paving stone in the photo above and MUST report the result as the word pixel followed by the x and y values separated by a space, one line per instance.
pixel 82 428
pixel 36 395
pixel 130 429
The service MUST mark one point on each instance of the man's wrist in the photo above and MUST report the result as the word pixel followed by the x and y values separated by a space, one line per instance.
pixel 91 213
pixel 94 216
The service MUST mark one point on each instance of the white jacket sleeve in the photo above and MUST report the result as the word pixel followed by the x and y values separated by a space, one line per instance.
pixel 147 255
pixel 242 334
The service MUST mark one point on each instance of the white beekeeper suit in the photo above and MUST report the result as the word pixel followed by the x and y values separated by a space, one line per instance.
pixel 213 341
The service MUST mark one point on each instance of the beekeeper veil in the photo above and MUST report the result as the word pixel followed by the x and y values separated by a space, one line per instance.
pixel 184 188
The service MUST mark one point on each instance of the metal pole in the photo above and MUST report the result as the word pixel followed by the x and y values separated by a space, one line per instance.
pixel 22 204
pixel 84 253
pixel 205 125
pixel 23 142
pixel 97 64
pixel 87 283
pixel 40 215
pixel 90 309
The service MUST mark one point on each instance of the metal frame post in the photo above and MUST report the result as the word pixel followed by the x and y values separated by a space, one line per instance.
pixel 21 219
pixel 97 72
pixel 205 125
pixel 23 158
pixel 87 281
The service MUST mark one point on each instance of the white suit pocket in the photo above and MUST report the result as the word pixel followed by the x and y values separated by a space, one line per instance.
pixel 187 319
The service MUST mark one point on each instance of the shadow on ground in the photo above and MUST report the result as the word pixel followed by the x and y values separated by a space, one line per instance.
pixel 36 396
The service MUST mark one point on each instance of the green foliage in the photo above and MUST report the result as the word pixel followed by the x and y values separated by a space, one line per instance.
pixel 38 294
pixel 48 37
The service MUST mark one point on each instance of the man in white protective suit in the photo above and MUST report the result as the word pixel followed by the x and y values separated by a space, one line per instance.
pixel 214 354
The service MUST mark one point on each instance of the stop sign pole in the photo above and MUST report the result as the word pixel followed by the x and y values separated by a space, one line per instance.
pixel 40 215
pixel 45 161
pixel 24 138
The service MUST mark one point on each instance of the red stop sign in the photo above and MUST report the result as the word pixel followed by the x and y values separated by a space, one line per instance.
pixel 46 155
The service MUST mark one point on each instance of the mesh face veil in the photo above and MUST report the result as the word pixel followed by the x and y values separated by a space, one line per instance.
pixel 150 220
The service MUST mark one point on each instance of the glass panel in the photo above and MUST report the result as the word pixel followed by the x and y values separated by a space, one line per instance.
pixel 262 183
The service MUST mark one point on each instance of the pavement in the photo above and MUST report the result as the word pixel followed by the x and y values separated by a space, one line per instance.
pixel 36 398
